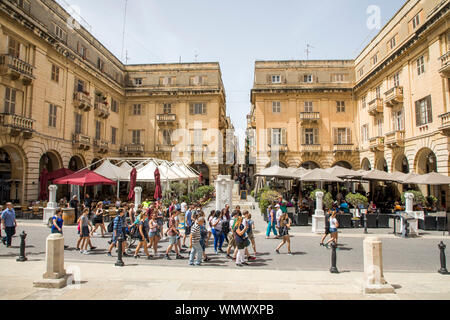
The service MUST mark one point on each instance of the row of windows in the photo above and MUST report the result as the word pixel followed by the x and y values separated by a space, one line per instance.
pixel 168 81
pixel 308 106
pixel 397 125
pixel 309 136
pixel 309 78
pixel 197 108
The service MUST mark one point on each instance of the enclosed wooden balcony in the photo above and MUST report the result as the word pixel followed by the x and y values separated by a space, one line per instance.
pixel 16 69
pixel 16 125
pixel 445 65
pixel 82 101
pixel 311 148
pixel 375 106
pixel 310 116
pixel 393 96
pixel 445 124
pixel 81 141
pixel 343 147
pixel 101 146
pixel 395 139
pixel 376 144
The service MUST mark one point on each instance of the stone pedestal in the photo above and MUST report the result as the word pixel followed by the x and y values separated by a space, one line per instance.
pixel 55 275
pixel 413 223
pixel 374 281
pixel 224 191
pixel 318 219
pixel 50 210
pixel 137 197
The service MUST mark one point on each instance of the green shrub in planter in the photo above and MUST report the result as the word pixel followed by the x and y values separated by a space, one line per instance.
pixel 267 198
pixel 313 193
pixel 418 197
pixel 260 192
pixel 327 198
pixel 356 200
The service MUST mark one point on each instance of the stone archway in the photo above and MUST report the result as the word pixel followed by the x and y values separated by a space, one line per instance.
pixel 51 160
pixel 280 164
pixel 425 161
pixel 12 174
pixel 309 165
pixel 365 164
pixel 343 164
pixel 382 165
pixel 76 163
pixel 400 164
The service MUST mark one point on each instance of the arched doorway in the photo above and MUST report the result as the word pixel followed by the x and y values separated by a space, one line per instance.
pixel 12 168
pixel 50 161
pixel 309 165
pixel 426 161
pixel 204 170
pixel 343 164
pixel 76 163
pixel 401 164
pixel 280 164
pixel 365 165
pixel 382 165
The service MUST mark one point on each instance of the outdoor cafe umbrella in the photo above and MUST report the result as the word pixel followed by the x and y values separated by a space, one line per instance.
pixel 59 174
pixel 158 192
pixel 342 172
pixel 432 178
pixel 43 180
pixel 133 175
pixel 320 175
pixel 84 178
pixel 378 175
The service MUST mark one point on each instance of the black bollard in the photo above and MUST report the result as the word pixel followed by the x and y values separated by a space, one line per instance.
pixel 443 269
pixel 365 222
pixel 119 262
pixel 22 257
pixel 333 268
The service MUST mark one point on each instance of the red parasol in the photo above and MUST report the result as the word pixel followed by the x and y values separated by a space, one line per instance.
pixel 200 177
pixel 133 175
pixel 43 179
pixel 59 174
pixel 85 177
pixel 158 192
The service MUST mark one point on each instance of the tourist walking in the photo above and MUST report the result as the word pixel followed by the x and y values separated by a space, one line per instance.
pixel 271 223
pixel 194 242
pixel 208 223
pixel 239 232
pixel 172 234
pixel 143 236
pixel 98 219
pixel 251 227
pixel 118 231
pixel 154 233
pixel 9 223
pixel 84 231
pixel 57 222
pixel 327 226
pixel 187 222
pixel 285 225
pixel 216 228
pixel 231 237
pixel 334 224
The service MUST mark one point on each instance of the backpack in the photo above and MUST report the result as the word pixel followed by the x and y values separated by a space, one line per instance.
pixel 225 226
pixel 110 227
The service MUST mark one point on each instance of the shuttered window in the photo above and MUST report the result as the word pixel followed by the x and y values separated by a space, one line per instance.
pixel 340 106
pixel 420 65
pixel 310 136
pixel 98 128
pixel 342 136
pixel 276 106
pixel 78 123
pixel 167 108
pixel 423 111
pixel 114 106
pixel 55 73
pixel 167 137
pixel 197 108
pixel 10 100
pixel 113 135
pixel 136 138
pixel 277 136
pixel 308 106
pixel 13 47
pixel 52 115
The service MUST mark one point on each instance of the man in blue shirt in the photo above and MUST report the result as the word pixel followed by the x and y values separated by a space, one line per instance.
pixel 187 224
pixel 118 230
pixel 9 223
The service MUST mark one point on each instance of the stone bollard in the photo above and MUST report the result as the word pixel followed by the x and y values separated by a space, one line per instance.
pixel 55 275
pixel 119 262
pixel 22 256
pixel 333 268
pixel 374 281
pixel 443 269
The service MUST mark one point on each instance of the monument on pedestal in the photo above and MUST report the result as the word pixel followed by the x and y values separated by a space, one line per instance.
pixel 50 210
pixel 55 275
pixel 224 191
pixel 374 281
pixel 137 197
pixel 318 219
pixel 412 217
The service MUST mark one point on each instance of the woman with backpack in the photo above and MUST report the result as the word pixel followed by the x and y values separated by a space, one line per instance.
pixel 285 225
pixel 271 223
pixel 225 225
pixel 239 231
pixel 98 219
pixel 143 236
pixel 216 228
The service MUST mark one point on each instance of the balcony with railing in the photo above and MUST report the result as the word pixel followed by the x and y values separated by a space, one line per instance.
pixel 166 118
pixel 165 147
pixel 100 146
pixel 445 65
pixel 395 139
pixel 81 141
pixel 393 96
pixel 16 125
pixel 343 147
pixel 376 144
pixel 134 148
pixel 375 106
pixel 16 69
pixel 309 116
pixel 196 147
pixel 311 148
pixel 278 148
pixel 445 124
pixel 101 110
pixel 82 101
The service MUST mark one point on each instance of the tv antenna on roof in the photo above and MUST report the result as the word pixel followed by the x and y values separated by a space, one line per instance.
pixel 124 24
pixel 308 46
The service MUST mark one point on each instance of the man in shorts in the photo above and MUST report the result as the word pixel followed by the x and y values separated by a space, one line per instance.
pixel 118 230
pixel 327 228
pixel 187 224
pixel 172 233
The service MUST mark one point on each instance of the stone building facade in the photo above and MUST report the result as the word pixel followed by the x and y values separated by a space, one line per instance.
pixel 68 102
pixel 396 95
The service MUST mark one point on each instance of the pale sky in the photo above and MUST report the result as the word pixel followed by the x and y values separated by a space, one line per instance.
pixel 234 33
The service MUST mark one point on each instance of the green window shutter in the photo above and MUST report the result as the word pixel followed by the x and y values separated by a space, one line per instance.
pixel 418 122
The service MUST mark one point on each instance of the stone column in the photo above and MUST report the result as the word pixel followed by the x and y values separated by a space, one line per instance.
pixel 55 275
pixel 374 281
pixel 224 191
pixel 409 198
pixel 137 197
pixel 50 210
pixel 413 223
pixel 318 219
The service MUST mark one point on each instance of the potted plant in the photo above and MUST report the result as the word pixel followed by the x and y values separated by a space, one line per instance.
pixel 419 198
